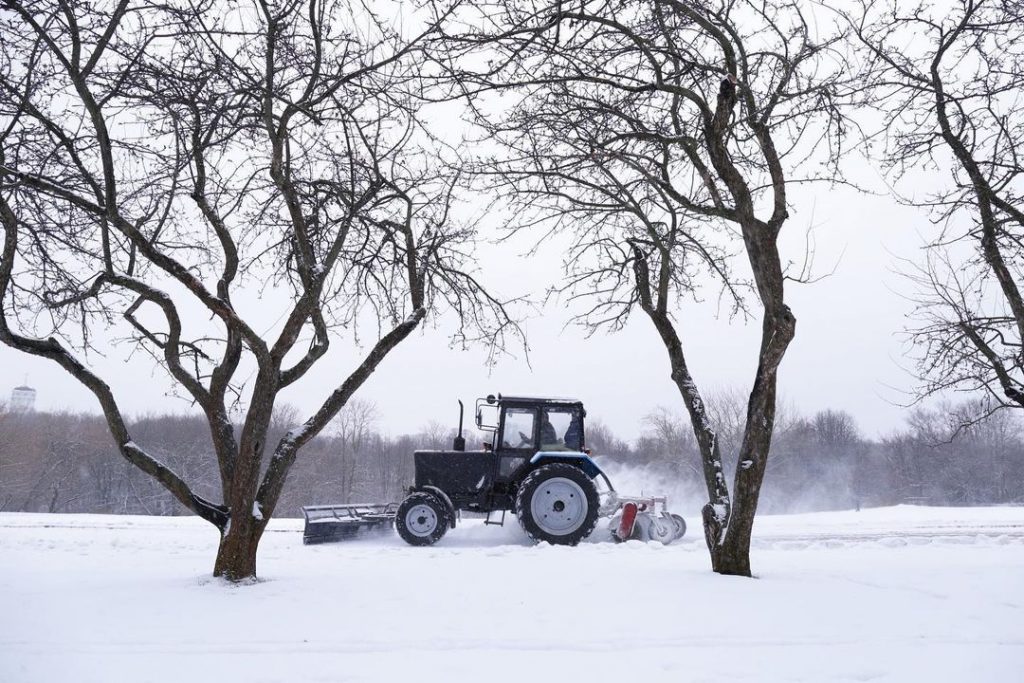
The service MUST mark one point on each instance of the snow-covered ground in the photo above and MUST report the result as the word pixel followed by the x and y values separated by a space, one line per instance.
pixel 895 594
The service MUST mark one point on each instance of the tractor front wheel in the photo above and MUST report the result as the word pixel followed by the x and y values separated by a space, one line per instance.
pixel 422 519
pixel 557 503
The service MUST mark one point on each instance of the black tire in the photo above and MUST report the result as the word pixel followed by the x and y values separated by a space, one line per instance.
pixel 540 509
pixel 422 519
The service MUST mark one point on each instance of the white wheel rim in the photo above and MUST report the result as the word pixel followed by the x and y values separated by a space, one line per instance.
pixel 421 520
pixel 661 531
pixel 559 506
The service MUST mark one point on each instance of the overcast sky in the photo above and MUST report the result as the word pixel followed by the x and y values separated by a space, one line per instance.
pixel 848 353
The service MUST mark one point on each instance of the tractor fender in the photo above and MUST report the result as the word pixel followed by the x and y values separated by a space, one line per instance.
pixel 580 460
pixel 443 497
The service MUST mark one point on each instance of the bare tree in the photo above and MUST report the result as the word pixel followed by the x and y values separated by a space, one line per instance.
pixel 835 429
pixel 948 80
pixel 352 434
pixel 8 463
pixel 673 439
pixel 659 141
pixel 157 159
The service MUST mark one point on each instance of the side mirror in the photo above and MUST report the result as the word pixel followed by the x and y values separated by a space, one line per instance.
pixel 489 421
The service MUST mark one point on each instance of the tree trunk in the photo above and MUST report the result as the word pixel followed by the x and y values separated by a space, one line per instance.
pixel 236 555
pixel 732 557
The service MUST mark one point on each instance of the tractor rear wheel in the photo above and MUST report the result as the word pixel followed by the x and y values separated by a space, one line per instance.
pixel 422 519
pixel 557 503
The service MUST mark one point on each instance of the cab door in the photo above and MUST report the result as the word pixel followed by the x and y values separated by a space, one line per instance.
pixel 518 440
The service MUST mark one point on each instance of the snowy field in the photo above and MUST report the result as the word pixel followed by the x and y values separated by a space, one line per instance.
pixel 895 594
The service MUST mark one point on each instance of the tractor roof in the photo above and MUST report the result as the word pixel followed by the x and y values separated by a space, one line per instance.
pixel 539 399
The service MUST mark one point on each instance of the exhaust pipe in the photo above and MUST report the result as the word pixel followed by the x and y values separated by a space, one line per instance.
pixel 460 443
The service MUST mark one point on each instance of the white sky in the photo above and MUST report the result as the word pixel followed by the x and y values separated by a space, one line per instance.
pixel 847 353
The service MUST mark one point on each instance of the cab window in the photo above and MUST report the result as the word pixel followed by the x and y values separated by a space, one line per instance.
pixel 520 424
pixel 560 430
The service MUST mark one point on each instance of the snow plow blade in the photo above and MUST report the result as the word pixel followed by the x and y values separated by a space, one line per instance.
pixel 329 523
pixel 637 519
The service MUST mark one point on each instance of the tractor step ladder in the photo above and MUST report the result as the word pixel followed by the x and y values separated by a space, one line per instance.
pixel 500 522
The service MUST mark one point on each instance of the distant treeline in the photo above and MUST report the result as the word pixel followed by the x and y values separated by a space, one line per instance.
pixel 61 462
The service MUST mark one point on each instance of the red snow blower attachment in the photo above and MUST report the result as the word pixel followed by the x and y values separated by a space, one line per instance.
pixel 637 520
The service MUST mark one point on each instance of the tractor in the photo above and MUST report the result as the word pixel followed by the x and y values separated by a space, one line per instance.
pixel 535 464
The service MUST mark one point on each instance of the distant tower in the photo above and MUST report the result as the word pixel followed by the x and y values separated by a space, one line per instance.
pixel 23 399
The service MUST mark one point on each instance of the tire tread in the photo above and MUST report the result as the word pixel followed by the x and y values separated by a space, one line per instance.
pixel 532 481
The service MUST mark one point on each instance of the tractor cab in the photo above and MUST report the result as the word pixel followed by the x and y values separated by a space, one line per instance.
pixel 521 434
pixel 521 427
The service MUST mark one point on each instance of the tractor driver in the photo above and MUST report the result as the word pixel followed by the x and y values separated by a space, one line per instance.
pixel 548 436
pixel 574 434
pixel 549 439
